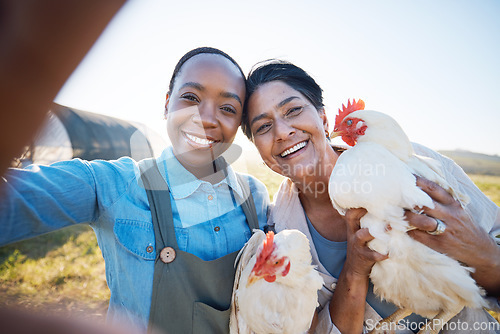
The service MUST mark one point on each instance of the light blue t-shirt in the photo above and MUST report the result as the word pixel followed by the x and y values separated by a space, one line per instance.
pixel 109 196
pixel 332 255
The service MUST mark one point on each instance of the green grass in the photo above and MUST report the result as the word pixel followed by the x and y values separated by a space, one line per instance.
pixel 59 272
pixel 63 271
pixel 489 185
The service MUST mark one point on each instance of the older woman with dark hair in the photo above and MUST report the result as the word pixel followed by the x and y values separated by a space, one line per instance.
pixel 287 122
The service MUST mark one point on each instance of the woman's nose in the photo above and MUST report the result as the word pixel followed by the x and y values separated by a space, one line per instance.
pixel 283 130
pixel 206 116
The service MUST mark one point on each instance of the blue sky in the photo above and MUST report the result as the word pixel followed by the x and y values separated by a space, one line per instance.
pixel 431 64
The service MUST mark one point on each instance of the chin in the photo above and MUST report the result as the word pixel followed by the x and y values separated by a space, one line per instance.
pixel 300 171
pixel 195 158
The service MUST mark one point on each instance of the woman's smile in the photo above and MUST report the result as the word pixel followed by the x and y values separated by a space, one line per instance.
pixel 199 142
pixel 294 151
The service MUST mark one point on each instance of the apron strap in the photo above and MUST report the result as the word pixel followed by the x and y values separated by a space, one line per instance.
pixel 161 211
pixel 159 202
pixel 248 204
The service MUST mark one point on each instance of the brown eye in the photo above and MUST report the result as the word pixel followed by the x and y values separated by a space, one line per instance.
pixel 349 122
pixel 263 129
pixel 294 111
pixel 190 97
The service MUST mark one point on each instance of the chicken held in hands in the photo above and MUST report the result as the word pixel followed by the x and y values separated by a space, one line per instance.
pixel 276 286
pixel 378 174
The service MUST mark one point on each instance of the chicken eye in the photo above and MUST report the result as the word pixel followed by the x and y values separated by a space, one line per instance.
pixel 349 122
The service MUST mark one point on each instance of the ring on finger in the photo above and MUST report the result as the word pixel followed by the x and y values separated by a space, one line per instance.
pixel 440 227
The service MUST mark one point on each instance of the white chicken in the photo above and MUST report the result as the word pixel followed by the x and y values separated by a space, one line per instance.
pixel 378 174
pixel 276 286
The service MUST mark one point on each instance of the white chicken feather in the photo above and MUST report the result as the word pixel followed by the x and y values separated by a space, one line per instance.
pixel 378 174
pixel 276 286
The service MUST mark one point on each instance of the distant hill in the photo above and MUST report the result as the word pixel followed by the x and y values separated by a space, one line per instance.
pixel 475 163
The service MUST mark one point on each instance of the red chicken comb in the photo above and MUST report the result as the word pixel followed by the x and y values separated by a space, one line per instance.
pixel 268 246
pixel 360 105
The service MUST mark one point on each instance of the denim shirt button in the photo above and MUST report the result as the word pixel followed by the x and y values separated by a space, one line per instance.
pixel 167 255
pixel 149 249
pixel 217 229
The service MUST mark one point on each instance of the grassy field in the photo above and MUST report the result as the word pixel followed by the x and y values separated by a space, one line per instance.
pixel 475 163
pixel 60 272
pixel 63 271
pixel 490 186
pixel 271 179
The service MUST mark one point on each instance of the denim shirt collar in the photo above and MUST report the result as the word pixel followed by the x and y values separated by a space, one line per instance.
pixel 182 183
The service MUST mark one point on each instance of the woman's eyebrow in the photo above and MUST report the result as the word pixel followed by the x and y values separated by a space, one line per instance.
pixel 231 95
pixel 259 117
pixel 200 87
pixel 279 105
pixel 285 101
pixel 193 85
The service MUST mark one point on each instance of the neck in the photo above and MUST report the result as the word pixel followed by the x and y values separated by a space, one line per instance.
pixel 314 200
pixel 323 216
pixel 212 172
pixel 313 185
pixel 314 197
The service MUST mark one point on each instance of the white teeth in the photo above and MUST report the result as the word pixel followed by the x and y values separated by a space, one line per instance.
pixel 293 149
pixel 201 141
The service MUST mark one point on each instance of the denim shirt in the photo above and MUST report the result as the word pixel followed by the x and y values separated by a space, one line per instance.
pixel 109 196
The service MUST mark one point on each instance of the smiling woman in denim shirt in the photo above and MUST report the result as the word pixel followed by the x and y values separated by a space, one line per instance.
pixel 169 228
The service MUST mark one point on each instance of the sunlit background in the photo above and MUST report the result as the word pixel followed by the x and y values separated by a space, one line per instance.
pixel 432 64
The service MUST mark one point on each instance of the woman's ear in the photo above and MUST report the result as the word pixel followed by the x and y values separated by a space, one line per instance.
pixel 166 106
pixel 324 119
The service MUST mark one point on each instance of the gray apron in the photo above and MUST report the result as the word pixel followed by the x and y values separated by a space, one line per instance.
pixel 190 295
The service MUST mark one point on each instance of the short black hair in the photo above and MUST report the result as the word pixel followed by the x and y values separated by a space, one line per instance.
pixel 197 51
pixel 290 74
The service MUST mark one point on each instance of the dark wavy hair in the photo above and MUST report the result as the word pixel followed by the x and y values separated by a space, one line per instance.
pixel 290 74
pixel 195 52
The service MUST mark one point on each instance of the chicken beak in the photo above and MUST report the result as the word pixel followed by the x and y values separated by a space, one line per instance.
pixel 252 278
pixel 335 134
